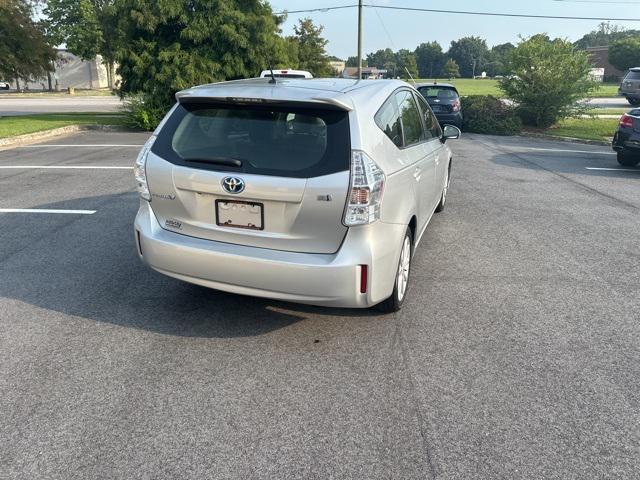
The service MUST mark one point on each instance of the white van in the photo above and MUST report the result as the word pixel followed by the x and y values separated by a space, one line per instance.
pixel 286 74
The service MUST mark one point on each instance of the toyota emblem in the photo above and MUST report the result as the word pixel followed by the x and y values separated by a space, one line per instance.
pixel 233 184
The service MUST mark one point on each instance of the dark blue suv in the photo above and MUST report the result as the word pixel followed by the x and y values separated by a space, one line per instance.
pixel 627 139
pixel 444 100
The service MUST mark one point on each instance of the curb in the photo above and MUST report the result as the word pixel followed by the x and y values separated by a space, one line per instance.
pixel 544 136
pixel 29 138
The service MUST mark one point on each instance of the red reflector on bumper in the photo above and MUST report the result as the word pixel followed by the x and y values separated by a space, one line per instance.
pixel 364 275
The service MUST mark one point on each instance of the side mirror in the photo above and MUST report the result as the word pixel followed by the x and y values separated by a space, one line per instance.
pixel 450 133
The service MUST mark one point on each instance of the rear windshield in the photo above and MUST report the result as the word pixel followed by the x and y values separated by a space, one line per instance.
pixel 279 141
pixel 443 93
pixel 632 76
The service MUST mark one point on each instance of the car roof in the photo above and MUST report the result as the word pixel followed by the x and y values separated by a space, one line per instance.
pixel 343 93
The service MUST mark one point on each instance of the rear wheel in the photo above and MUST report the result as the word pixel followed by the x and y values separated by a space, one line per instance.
pixel 401 284
pixel 633 101
pixel 627 160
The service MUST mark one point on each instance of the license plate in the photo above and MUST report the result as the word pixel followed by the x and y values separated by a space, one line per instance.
pixel 437 108
pixel 239 214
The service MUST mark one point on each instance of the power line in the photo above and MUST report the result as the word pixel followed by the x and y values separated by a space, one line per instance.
pixel 464 12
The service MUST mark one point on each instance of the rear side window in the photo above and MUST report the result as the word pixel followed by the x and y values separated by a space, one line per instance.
pixel 632 76
pixel 388 119
pixel 280 141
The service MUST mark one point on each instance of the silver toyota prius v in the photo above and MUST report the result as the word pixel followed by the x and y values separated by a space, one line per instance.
pixel 312 191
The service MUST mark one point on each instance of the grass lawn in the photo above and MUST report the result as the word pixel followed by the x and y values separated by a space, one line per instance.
pixel 103 92
pixel 19 125
pixel 608 111
pixel 468 86
pixel 585 128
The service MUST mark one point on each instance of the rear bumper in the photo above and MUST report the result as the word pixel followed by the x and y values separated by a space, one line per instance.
pixel 316 279
pixel 450 118
pixel 625 141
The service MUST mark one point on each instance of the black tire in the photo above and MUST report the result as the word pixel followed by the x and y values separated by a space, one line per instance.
pixel 634 102
pixel 395 301
pixel 443 197
pixel 627 160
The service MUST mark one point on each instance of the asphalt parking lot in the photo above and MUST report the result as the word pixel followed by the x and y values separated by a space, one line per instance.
pixel 517 355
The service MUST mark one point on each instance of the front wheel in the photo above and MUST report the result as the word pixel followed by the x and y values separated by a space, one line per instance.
pixel 445 190
pixel 634 102
pixel 401 284
pixel 628 160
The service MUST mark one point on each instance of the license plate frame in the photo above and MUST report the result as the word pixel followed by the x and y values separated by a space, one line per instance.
pixel 243 218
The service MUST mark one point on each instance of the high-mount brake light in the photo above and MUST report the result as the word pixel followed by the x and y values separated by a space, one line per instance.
pixel 365 192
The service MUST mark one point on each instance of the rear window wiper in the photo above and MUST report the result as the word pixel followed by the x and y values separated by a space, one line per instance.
pixel 227 161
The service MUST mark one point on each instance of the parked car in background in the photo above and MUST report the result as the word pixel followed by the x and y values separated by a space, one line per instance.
pixel 444 100
pixel 4 86
pixel 630 86
pixel 313 191
pixel 286 74
pixel 626 141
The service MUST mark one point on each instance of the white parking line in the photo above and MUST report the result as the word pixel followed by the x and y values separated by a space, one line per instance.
pixel 614 169
pixel 46 210
pixel 569 151
pixel 65 167
pixel 97 145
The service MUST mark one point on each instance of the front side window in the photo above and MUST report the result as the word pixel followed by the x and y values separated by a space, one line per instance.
pixel 278 140
pixel 431 124
pixel 410 117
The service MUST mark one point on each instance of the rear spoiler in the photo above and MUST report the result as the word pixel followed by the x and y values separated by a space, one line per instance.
pixel 329 103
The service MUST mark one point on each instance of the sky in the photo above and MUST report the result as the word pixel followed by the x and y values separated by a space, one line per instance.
pixel 401 29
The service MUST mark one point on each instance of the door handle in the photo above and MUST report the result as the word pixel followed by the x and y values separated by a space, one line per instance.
pixel 417 172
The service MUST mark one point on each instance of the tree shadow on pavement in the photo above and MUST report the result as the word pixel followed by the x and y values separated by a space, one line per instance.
pixel 87 266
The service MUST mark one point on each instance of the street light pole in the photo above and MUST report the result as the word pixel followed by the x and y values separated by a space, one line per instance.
pixel 360 39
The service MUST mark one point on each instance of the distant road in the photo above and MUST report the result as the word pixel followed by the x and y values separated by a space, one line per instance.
pixel 17 105
pixel 615 102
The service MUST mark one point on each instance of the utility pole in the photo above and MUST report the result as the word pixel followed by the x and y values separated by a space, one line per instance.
pixel 360 39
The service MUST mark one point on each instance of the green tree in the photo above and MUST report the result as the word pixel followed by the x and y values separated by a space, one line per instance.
pixel 406 62
pixel 380 58
pixel 451 69
pixel 171 45
pixel 310 48
pixel 470 53
pixel 430 59
pixel 87 27
pixel 353 62
pixel 625 53
pixel 605 35
pixel 549 80
pixel 498 58
pixel 24 50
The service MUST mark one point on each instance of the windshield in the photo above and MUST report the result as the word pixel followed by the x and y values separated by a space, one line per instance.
pixel 281 141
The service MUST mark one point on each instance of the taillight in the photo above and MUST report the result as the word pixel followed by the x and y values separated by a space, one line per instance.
pixel 456 106
pixel 365 192
pixel 139 169
pixel 626 121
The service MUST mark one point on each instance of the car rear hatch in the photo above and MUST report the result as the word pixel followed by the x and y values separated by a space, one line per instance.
pixel 441 99
pixel 263 174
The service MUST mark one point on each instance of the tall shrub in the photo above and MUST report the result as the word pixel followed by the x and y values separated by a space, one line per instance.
pixel 548 80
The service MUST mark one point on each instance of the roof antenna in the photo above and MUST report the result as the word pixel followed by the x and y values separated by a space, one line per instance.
pixel 410 76
pixel 273 77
